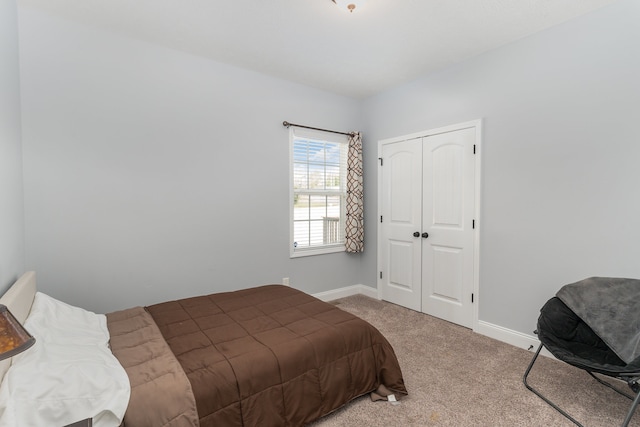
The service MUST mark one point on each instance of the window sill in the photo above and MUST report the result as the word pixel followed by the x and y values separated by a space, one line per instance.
pixel 298 253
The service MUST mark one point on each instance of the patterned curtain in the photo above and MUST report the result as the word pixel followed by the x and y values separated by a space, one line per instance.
pixel 354 227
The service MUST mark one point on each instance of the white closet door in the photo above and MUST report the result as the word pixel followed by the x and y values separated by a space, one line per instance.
pixel 401 211
pixel 448 185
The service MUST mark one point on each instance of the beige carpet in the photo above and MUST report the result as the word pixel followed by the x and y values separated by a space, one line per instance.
pixel 458 378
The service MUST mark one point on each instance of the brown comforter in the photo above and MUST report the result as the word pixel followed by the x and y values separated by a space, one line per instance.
pixel 266 356
pixel 161 395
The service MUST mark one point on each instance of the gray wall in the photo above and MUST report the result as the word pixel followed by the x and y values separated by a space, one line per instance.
pixel 152 174
pixel 560 175
pixel 11 189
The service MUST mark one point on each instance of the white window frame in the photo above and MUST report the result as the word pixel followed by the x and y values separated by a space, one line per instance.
pixel 294 133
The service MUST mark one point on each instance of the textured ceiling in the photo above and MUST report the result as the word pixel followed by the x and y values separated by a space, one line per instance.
pixel 313 42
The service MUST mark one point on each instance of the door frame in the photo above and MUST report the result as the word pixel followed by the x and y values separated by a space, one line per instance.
pixel 477 125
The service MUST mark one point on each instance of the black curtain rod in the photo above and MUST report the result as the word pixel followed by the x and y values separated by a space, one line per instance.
pixel 287 124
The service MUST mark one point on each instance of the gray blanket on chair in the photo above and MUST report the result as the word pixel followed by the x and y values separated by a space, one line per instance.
pixel 611 307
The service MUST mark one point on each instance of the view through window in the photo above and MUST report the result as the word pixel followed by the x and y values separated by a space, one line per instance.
pixel 318 191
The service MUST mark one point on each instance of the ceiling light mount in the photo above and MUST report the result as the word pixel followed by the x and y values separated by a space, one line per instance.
pixel 349 5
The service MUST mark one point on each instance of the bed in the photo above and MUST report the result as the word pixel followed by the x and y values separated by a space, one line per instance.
pixel 267 356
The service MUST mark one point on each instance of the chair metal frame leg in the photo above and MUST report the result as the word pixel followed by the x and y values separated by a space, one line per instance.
pixel 617 390
pixel 632 382
pixel 634 405
pixel 540 395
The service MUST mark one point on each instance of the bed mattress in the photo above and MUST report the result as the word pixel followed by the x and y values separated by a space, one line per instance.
pixel 266 356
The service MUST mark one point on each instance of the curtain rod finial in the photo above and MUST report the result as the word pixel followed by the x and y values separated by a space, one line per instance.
pixel 286 124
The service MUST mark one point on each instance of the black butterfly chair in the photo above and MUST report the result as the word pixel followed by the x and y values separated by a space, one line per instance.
pixel 570 340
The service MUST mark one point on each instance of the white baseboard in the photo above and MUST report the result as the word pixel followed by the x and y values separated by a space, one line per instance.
pixel 518 339
pixel 347 292
pixel 500 333
pixel 509 336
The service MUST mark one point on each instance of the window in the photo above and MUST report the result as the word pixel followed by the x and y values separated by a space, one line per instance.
pixel 318 191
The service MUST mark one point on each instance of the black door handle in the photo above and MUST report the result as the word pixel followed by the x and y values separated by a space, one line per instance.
pixel 425 235
pixel 416 234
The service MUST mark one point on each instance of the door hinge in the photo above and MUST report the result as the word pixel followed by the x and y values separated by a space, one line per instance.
pixel 474 148
pixel 473 224
pixel 381 161
pixel 381 274
pixel 380 218
pixel 472 298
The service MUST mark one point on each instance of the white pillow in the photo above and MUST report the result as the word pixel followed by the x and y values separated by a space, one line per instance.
pixel 68 375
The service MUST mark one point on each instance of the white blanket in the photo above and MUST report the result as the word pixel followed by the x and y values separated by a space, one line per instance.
pixel 68 375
